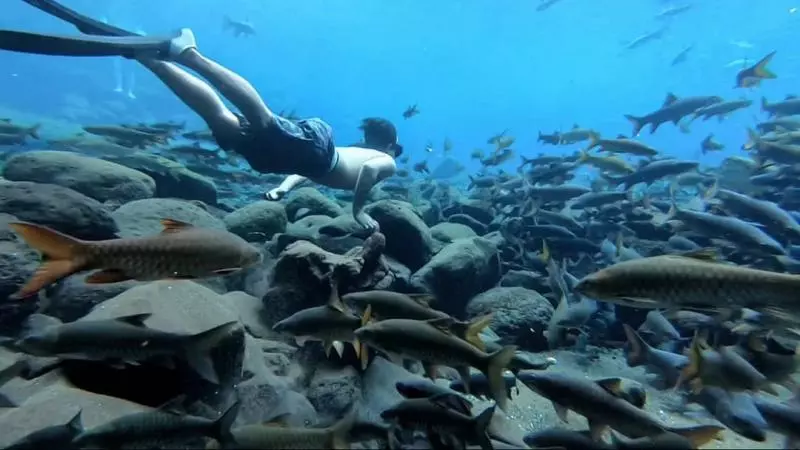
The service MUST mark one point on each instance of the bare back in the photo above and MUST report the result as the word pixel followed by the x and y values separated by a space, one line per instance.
pixel 351 159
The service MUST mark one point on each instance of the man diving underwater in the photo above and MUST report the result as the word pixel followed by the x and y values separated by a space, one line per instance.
pixel 270 143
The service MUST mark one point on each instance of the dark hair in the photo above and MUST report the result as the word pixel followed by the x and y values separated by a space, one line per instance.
pixel 380 134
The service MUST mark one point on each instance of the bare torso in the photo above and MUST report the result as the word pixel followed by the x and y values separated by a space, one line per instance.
pixel 351 160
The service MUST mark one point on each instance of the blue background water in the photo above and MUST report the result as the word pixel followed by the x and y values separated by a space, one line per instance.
pixel 474 67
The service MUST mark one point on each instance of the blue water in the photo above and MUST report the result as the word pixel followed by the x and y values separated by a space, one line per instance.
pixel 474 67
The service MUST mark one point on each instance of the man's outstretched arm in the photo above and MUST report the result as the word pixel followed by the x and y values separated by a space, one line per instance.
pixel 289 183
pixel 372 172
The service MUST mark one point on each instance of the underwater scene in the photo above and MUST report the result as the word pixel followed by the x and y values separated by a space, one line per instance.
pixel 374 224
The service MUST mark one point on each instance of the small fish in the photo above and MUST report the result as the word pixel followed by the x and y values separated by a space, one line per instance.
pixel 710 145
pixel 411 111
pixel 181 251
pixel 238 27
pixel 422 167
pixel 753 75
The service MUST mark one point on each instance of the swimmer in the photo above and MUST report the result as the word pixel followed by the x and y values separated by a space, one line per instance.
pixel 270 143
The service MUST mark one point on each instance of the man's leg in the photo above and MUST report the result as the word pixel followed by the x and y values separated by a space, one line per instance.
pixel 198 96
pixel 231 85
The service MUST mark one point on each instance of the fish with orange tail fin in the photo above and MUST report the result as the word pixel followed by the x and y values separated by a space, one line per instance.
pixel 753 75
pixel 180 251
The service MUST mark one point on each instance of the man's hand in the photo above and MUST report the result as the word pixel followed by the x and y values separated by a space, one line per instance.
pixel 367 222
pixel 276 194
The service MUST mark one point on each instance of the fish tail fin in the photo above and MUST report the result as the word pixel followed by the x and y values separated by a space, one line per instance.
pixel 698 435
pixel 63 255
pixel 637 354
pixel 584 156
pixel 764 104
pixel 692 369
pixel 496 364
pixel 474 328
pixel 636 122
pixel 752 139
pixel 481 425
pixel 594 141
pixel 761 70
pixel 198 346
pixel 34 131
pixel 471 182
pixel 222 426
pixel 340 431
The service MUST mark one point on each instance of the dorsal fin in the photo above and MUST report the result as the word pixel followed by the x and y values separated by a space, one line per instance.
pixel 174 406
pixel 704 254
pixel 422 299
pixel 790 97
pixel 622 136
pixel 134 319
pixel 575 126
pixel 612 385
pixel 443 323
pixel 334 301
pixel 172 225
pixel 670 99
pixel 278 422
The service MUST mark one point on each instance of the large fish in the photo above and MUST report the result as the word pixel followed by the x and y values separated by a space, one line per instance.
pixel 433 343
pixel 181 251
pixel 694 279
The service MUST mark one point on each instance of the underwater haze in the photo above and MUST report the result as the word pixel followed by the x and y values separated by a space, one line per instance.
pixel 467 224
pixel 474 68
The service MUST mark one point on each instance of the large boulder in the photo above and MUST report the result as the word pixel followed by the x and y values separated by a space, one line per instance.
pixel 95 178
pixel 57 404
pixel 408 238
pixel 257 221
pixel 448 232
pixel 301 275
pixel 458 272
pixel 333 391
pixel 310 201
pixel 143 217
pixel 519 316
pixel 173 179
pixel 57 207
pixel 18 263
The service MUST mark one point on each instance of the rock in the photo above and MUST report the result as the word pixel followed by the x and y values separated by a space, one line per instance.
pixel 257 222
pixel 333 391
pixel 264 395
pixel 143 217
pixel 475 208
pixel 172 179
pixel 449 232
pixel 430 212
pixel 72 299
pixel 92 177
pixel 315 202
pixel 18 262
pixel 253 280
pixel 378 389
pixel 526 279
pixel 57 207
pixel 520 316
pixel 458 272
pixel 250 311
pixel 301 272
pixel 184 307
pixel 408 239
pixel 58 404
pixel 478 227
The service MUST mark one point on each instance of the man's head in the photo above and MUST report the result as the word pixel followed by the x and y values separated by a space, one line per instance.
pixel 380 134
